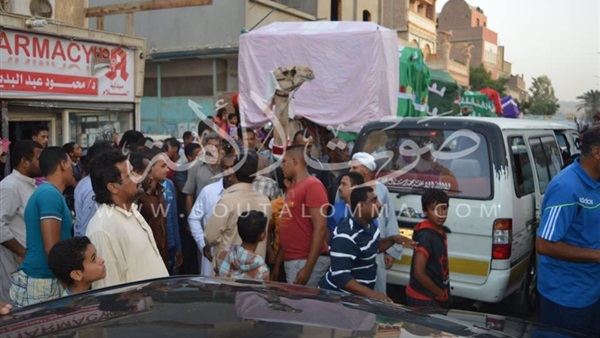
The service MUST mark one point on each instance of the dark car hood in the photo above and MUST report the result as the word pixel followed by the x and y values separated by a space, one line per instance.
pixel 212 307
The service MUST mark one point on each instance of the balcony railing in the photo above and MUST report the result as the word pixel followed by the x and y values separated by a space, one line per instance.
pixel 421 21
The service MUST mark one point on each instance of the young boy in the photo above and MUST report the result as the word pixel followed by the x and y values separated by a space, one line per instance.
pixel 74 262
pixel 240 261
pixel 429 284
pixel 75 153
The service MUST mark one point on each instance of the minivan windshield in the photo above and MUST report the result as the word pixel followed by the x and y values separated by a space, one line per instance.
pixel 456 161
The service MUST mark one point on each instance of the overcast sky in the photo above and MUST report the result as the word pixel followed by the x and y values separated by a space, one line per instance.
pixel 557 38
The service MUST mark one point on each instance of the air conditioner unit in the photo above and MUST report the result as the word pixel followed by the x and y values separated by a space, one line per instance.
pixel 37 8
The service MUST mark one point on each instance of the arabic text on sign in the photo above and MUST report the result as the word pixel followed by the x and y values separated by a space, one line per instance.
pixel 47 83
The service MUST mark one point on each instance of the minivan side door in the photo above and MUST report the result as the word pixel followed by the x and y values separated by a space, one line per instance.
pixel 546 162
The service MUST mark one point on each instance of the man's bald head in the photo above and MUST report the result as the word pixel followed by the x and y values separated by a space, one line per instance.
pixel 293 162
pixel 296 152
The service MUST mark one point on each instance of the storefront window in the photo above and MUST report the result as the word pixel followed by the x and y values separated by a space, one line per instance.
pixel 86 128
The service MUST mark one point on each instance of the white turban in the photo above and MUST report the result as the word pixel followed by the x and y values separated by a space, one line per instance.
pixel 365 159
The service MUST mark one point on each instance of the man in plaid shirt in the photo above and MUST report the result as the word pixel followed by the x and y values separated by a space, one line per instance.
pixel 240 261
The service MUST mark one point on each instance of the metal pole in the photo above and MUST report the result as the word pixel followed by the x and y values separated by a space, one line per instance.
pixel 159 94
pixel 4 130
pixel 380 14
pixel 66 130
pixel 215 80
pixel 4 134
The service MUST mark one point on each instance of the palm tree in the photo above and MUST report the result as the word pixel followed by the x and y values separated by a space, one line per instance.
pixel 589 103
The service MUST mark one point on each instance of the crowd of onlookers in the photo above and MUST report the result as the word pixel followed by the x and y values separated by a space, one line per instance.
pixel 141 208
pixel 144 208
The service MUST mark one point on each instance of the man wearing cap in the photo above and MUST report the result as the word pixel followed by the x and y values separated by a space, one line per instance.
pixel 221 229
pixel 364 164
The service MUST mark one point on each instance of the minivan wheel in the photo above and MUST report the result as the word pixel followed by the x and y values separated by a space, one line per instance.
pixel 526 300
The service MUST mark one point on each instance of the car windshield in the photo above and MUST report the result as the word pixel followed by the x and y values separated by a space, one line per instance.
pixel 456 161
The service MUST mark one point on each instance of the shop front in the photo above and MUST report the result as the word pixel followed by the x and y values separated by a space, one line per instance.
pixel 82 84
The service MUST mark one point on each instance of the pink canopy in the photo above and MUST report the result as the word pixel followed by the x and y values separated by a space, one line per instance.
pixel 355 66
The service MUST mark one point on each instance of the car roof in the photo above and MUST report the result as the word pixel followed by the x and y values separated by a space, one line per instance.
pixel 199 306
pixel 507 123
pixel 502 123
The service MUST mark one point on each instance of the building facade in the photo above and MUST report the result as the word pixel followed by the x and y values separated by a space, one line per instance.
pixel 191 55
pixel 83 84
pixel 414 20
pixel 468 25
pixel 517 88
pixel 442 60
pixel 192 52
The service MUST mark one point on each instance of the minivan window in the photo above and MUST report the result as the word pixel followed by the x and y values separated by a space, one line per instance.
pixel 456 161
pixel 553 156
pixel 562 142
pixel 575 137
pixel 547 159
pixel 521 167
pixel 541 165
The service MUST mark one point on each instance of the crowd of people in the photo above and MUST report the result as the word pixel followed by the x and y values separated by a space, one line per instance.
pixel 144 208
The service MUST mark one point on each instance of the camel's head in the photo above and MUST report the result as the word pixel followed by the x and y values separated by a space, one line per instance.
pixel 290 78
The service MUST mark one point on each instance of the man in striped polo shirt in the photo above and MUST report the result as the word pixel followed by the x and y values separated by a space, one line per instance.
pixel 354 246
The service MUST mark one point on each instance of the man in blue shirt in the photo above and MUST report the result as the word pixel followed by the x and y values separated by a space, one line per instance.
pixel 354 247
pixel 85 205
pixel 341 209
pixel 47 221
pixel 568 243
pixel 172 220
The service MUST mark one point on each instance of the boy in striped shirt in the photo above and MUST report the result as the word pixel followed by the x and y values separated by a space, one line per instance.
pixel 241 260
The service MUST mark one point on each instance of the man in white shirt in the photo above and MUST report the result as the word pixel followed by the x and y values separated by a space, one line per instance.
pixel 15 190
pixel 203 210
pixel 121 235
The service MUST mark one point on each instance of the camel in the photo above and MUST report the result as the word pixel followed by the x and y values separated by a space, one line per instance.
pixel 286 80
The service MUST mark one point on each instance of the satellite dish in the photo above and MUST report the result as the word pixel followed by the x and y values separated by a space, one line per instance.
pixel 41 8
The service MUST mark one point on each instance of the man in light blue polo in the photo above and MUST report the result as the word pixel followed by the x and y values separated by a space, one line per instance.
pixel 85 204
pixel 568 244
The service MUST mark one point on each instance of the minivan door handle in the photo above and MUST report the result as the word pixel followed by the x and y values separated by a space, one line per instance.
pixel 532 225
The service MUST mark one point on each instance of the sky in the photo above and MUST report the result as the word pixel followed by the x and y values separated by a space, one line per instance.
pixel 557 38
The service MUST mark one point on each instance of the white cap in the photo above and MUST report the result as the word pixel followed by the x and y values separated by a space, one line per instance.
pixel 365 159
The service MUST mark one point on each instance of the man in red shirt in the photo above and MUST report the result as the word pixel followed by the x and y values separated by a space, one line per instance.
pixel 303 227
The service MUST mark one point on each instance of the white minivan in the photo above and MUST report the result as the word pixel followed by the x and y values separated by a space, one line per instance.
pixel 495 171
